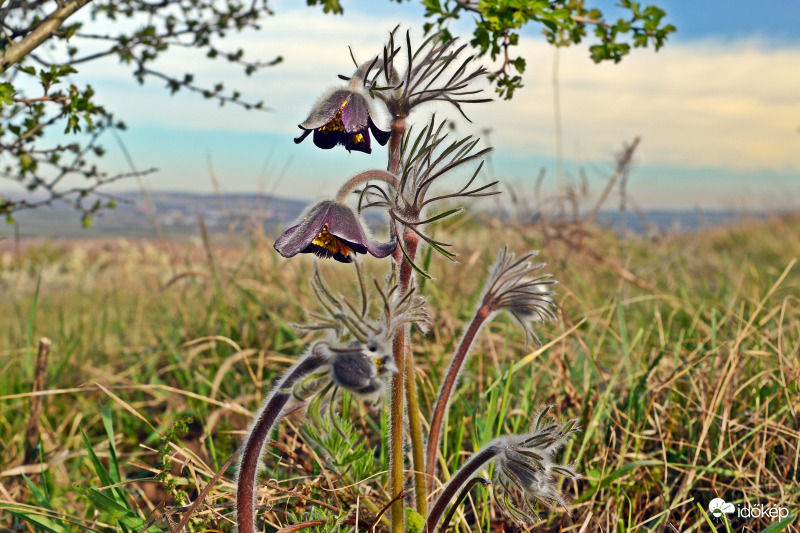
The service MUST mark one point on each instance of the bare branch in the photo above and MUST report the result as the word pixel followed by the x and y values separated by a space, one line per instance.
pixel 40 34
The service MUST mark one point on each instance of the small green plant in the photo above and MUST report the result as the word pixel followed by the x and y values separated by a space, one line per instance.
pixel 179 429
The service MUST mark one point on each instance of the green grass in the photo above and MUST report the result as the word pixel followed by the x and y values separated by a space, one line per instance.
pixel 681 357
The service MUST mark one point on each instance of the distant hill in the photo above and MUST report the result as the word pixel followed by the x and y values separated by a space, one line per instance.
pixel 178 213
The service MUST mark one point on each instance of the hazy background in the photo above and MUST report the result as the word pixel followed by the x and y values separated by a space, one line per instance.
pixel 718 109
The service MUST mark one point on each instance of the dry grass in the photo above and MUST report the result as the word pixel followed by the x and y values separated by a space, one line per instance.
pixel 681 357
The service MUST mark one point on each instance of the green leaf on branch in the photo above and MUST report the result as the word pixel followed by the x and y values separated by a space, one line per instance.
pixel 7 93
pixel 328 6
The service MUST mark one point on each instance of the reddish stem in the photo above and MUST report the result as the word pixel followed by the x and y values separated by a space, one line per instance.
pixel 449 382
pixel 398 127
pixel 396 418
pixel 248 468
pixel 459 479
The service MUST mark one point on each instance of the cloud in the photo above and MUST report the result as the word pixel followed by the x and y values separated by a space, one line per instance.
pixel 695 104
pixel 699 104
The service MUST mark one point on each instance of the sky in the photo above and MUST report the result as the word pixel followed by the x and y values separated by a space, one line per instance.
pixel 717 109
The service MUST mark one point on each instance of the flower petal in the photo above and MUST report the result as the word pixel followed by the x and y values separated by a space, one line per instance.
pixel 381 136
pixel 355 114
pixel 326 109
pixel 328 139
pixel 381 249
pixel 298 140
pixel 358 142
pixel 296 239
pixel 355 371
pixel 343 224
pixel 287 246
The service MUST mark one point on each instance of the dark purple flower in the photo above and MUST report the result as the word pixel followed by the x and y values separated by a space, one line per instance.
pixel 331 229
pixel 342 117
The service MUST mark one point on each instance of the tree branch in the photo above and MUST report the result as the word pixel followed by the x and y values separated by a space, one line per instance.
pixel 39 35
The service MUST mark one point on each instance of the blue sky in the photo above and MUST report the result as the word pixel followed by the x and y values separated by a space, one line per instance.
pixel 775 20
pixel 717 109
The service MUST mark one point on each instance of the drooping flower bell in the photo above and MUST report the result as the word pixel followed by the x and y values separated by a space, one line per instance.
pixel 342 117
pixel 332 229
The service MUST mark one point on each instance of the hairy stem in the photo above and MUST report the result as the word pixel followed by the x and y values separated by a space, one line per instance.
pixel 460 479
pixel 399 346
pixel 461 497
pixel 254 443
pixel 363 177
pixel 412 398
pixel 446 390
pixel 396 477
pixel 395 142
pixel 417 438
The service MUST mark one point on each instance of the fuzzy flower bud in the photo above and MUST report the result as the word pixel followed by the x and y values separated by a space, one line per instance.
pixel 525 470
pixel 516 287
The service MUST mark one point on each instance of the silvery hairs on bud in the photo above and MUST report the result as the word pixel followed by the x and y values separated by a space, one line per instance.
pixel 350 320
pixel 525 470
pixel 517 287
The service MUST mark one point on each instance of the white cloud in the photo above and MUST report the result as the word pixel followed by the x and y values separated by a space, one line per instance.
pixel 694 104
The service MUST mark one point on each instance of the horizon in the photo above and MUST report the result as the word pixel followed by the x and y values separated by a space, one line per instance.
pixel 715 109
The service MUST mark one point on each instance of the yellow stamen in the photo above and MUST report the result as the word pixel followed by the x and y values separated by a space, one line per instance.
pixel 336 124
pixel 358 138
pixel 328 242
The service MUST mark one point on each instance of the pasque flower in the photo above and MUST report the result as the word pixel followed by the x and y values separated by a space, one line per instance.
pixel 361 368
pixel 342 117
pixel 525 470
pixel 332 229
pixel 356 356
pixel 516 287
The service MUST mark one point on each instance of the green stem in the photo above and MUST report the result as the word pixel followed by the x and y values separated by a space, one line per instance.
pixel 412 398
pixel 396 433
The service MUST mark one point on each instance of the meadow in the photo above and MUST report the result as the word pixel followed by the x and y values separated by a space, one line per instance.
pixel 680 355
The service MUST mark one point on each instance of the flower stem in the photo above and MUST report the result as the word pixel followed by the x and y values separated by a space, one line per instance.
pixel 446 390
pixel 253 445
pixel 400 346
pixel 398 127
pixel 396 477
pixel 412 398
pixel 459 479
pixel 363 177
